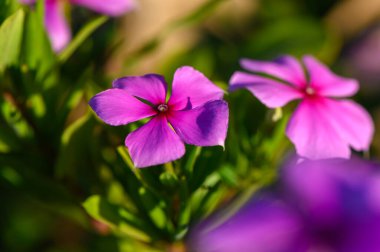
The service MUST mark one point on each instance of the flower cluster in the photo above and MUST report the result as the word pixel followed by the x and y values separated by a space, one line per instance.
pixel 323 126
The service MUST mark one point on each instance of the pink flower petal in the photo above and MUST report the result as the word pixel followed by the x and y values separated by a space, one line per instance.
pixel 108 7
pixel 326 82
pixel 312 133
pixel 150 87
pixel 56 26
pixel 326 128
pixel 202 126
pixel 286 68
pixel 117 107
pixel 192 89
pixel 154 143
pixel 270 92
pixel 351 121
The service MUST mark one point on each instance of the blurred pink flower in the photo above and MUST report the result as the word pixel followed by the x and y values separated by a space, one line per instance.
pixel 194 114
pixel 324 205
pixel 56 24
pixel 323 125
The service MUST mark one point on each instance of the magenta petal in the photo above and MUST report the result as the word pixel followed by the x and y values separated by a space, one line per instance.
pixel 318 192
pixel 326 82
pixel 108 7
pixel 286 68
pixel 351 121
pixel 312 133
pixel 192 89
pixel 117 107
pixel 150 87
pixel 154 143
pixel 56 26
pixel 326 128
pixel 267 225
pixel 270 92
pixel 203 126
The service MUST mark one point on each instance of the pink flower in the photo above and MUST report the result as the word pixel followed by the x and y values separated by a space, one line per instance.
pixel 55 22
pixel 323 125
pixel 194 114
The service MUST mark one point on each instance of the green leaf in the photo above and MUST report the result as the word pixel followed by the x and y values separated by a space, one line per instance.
pixel 155 208
pixel 10 39
pixel 193 156
pixel 73 141
pixel 82 35
pixel 116 217
pixel 37 53
pixel 15 120
pixel 7 7
pixel 74 127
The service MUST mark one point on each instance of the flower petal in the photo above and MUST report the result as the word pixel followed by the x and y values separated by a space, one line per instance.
pixel 286 68
pixel 270 92
pixel 108 7
pixel 56 26
pixel 312 133
pixel 192 89
pixel 326 82
pixel 351 121
pixel 150 87
pixel 261 225
pixel 319 193
pixel 154 143
pixel 117 107
pixel 203 126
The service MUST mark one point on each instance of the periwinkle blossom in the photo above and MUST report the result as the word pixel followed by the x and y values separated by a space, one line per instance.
pixel 194 114
pixel 334 207
pixel 55 22
pixel 324 125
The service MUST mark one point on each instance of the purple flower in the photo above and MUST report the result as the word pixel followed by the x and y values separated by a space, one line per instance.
pixel 333 207
pixel 323 125
pixel 194 114
pixel 55 22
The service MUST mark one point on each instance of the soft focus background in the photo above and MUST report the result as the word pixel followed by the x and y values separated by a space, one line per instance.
pixel 66 181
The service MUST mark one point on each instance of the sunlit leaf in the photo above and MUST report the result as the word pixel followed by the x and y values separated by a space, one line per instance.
pixel 115 216
pixel 11 31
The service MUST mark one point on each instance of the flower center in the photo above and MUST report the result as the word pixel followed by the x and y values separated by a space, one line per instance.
pixel 310 91
pixel 162 107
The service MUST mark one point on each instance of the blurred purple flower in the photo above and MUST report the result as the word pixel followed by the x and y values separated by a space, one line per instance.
pixel 55 22
pixel 194 114
pixel 334 207
pixel 322 126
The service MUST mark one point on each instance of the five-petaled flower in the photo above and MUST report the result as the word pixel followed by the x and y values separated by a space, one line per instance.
pixel 322 126
pixel 194 114
pixel 55 22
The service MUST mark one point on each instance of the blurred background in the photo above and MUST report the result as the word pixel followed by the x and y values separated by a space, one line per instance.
pixel 66 181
